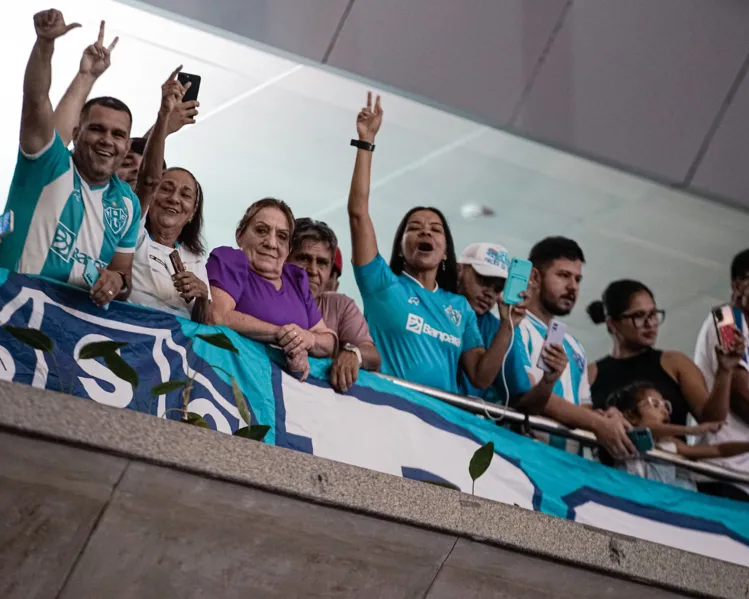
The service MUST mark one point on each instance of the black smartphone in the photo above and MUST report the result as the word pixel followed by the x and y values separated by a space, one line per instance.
pixel 192 93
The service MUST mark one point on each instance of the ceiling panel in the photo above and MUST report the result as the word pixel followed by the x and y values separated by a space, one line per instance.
pixel 638 82
pixel 723 169
pixel 303 27
pixel 475 56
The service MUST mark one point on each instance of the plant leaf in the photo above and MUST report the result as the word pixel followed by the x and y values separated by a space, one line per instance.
pixel 241 402
pixel 34 338
pixel 439 483
pixel 255 432
pixel 481 460
pixel 122 369
pixel 196 420
pixel 167 387
pixel 219 340
pixel 98 349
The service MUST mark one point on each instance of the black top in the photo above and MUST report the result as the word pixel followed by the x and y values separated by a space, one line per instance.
pixel 615 373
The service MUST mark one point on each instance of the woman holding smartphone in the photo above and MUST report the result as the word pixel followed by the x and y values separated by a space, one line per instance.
pixel 423 329
pixel 632 318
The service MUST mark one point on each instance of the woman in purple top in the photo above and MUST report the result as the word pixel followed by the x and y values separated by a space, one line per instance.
pixel 257 295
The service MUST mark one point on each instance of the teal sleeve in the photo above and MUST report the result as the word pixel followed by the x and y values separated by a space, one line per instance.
pixel 374 277
pixel 471 334
pixel 130 238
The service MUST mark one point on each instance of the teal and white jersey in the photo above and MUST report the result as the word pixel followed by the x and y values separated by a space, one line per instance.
pixel 421 334
pixel 572 385
pixel 61 222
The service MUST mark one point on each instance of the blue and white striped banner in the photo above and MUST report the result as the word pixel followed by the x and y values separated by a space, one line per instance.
pixel 377 425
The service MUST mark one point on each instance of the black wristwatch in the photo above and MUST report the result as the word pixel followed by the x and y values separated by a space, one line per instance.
pixel 363 145
pixel 124 281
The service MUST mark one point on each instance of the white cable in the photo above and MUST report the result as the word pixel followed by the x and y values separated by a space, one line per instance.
pixel 504 377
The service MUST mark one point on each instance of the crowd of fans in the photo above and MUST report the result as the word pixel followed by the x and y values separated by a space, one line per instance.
pixel 113 202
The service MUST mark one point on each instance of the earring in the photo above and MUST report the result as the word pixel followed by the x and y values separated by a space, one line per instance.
pixel 443 265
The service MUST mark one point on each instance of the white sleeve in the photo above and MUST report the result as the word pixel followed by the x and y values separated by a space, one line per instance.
pixel 704 351
pixel 583 393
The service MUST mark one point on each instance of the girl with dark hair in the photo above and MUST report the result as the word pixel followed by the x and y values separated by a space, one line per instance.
pixel 424 331
pixel 644 407
pixel 632 318
pixel 172 207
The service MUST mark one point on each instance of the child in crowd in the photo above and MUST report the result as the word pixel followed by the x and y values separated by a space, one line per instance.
pixel 644 407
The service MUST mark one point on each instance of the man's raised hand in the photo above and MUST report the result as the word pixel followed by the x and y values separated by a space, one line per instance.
pixel 97 57
pixel 50 24
pixel 368 121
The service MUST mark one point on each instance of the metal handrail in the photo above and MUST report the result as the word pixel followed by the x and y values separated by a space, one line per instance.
pixel 478 406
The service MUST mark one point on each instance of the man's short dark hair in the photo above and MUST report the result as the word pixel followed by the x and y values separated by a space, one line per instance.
pixel 309 229
pixel 555 248
pixel 106 102
pixel 740 266
pixel 138 145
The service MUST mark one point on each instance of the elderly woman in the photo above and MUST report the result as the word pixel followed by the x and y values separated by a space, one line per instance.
pixel 256 294
pixel 169 270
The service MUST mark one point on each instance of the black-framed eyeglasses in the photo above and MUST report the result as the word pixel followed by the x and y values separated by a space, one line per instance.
pixel 641 317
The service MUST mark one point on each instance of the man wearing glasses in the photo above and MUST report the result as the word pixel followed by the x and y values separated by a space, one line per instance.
pixel 736 427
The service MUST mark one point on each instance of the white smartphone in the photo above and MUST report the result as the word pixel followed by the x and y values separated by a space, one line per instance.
pixel 554 336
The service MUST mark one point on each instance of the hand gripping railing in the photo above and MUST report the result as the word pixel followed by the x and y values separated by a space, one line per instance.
pixel 540 423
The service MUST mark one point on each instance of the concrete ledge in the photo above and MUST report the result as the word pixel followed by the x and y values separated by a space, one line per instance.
pixel 144 438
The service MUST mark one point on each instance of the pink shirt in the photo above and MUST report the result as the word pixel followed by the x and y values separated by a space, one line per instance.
pixel 341 315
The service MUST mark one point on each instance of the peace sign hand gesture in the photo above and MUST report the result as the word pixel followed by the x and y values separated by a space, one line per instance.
pixel 96 58
pixel 368 121
pixel 50 24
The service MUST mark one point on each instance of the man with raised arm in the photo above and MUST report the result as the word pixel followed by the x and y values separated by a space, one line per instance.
pixel 71 208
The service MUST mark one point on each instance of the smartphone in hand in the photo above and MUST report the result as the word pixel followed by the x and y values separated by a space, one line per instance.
pixel 6 223
pixel 192 93
pixel 641 438
pixel 91 275
pixel 725 326
pixel 517 281
pixel 554 336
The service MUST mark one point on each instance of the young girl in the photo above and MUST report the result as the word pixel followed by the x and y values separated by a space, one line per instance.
pixel 644 407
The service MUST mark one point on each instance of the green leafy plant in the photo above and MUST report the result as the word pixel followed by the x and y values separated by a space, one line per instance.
pixel 107 350
pixel 480 462
pixel 256 432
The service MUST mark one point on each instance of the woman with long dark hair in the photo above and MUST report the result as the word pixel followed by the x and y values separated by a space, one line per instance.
pixel 632 318
pixel 424 331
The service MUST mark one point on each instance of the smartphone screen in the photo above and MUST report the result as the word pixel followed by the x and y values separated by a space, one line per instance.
pixel 192 93
pixel 517 280
pixel 554 336
pixel 6 223
pixel 725 326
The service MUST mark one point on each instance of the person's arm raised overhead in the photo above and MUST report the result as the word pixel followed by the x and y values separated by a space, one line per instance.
pixel 95 61
pixel 363 236
pixel 151 169
pixel 37 116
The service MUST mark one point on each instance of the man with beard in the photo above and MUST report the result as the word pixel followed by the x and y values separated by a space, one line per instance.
pixel 552 292
pixel 482 274
pixel 71 209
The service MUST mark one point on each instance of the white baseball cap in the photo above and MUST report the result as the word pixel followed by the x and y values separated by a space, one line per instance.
pixel 487 259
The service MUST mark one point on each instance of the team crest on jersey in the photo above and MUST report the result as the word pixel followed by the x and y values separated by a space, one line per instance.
pixel 455 315
pixel 63 242
pixel 116 219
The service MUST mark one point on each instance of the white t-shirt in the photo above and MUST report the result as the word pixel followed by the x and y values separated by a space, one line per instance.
pixel 153 272
pixel 734 429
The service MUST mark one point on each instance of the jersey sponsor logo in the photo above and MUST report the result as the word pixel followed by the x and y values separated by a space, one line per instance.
pixel 455 315
pixel 416 324
pixel 83 258
pixel 413 300
pixel 116 219
pixel 578 359
pixel 63 242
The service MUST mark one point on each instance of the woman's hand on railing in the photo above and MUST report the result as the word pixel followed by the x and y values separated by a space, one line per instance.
pixel 292 337
pixel 297 364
